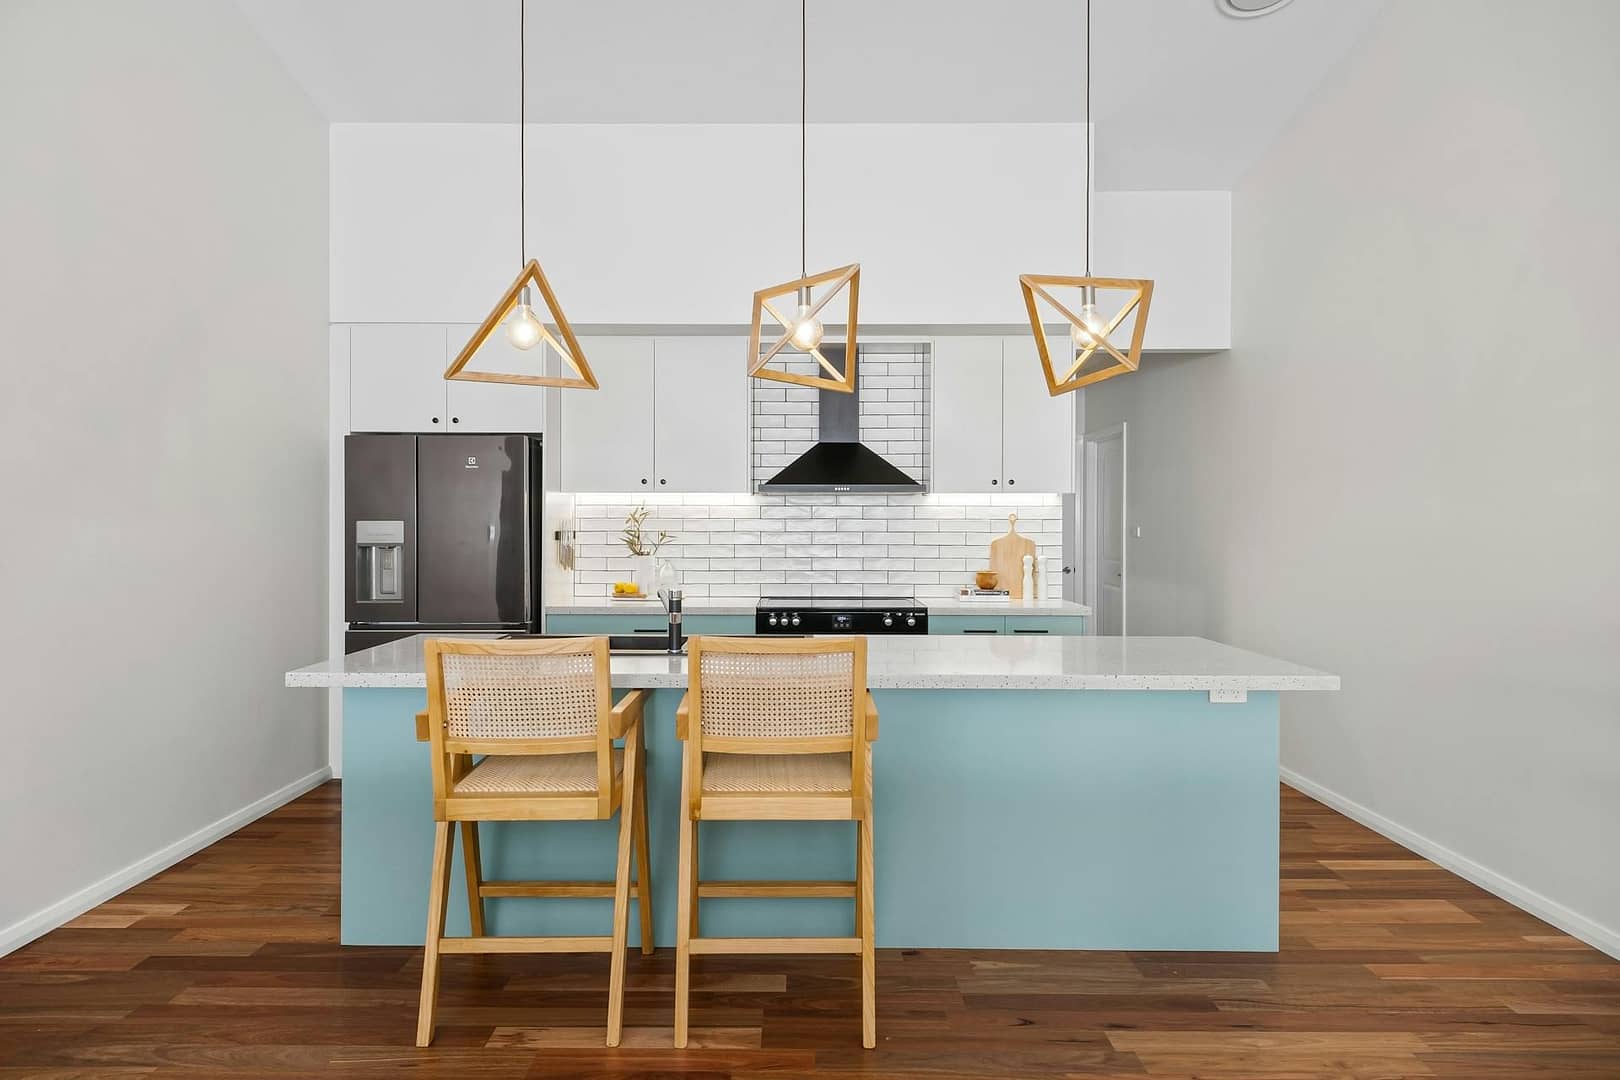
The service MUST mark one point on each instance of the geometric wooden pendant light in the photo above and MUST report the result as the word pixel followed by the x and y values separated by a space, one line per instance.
pixel 526 328
pixel 568 347
pixel 1090 333
pixel 802 331
pixel 1065 365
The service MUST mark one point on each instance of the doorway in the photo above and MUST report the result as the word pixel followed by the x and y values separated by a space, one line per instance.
pixel 1103 555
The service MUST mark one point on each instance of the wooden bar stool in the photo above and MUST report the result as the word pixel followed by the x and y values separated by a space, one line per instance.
pixel 774 731
pixel 540 715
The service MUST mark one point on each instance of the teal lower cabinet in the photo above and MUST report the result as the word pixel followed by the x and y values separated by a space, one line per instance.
pixel 724 625
pixel 650 622
pixel 1046 624
pixel 1007 624
pixel 967 624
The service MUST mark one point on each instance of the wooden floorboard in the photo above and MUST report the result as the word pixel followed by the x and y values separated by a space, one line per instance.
pixel 227 965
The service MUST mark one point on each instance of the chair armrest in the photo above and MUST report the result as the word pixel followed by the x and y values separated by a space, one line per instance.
pixel 683 717
pixel 422 734
pixel 871 718
pixel 627 713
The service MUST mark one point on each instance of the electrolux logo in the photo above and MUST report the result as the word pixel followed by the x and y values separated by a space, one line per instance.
pixel 472 462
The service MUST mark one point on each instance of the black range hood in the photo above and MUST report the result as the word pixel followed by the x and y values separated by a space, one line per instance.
pixel 839 462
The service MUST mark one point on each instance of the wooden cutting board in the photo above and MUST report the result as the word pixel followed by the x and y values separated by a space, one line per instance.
pixel 1007 558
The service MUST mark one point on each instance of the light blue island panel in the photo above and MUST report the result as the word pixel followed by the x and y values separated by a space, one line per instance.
pixel 1054 819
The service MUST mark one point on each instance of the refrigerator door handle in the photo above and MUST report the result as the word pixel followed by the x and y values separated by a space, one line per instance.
pixel 492 532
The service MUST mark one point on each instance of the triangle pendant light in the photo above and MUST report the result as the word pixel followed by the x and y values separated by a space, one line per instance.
pixel 802 332
pixel 1090 354
pixel 525 329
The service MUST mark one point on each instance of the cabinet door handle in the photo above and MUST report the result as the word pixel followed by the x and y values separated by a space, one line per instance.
pixel 643 479
pixel 662 481
pixel 650 630
pixel 435 419
pixel 1010 483
pixel 993 483
pixel 981 631
pixel 455 419
pixel 1032 631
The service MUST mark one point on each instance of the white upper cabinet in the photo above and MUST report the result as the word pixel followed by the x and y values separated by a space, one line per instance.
pixel 1037 429
pixel 607 434
pixel 671 416
pixel 1182 240
pixel 995 427
pixel 396 378
pixel 700 427
pixel 397 383
pixel 496 407
pixel 967 415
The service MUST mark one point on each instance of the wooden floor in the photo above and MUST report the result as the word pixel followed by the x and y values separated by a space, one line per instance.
pixel 228 965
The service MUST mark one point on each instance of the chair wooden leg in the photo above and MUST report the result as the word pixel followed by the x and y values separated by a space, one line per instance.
pixel 867 920
pixel 697 879
pixel 644 901
pixel 438 900
pixel 475 876
pixel 685 915
pixel 621 888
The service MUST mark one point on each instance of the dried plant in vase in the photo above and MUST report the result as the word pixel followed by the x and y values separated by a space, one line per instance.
pixel 635 536
pixel 643 548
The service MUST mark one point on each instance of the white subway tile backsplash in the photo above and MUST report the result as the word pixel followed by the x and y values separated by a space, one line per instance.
pixel 731 546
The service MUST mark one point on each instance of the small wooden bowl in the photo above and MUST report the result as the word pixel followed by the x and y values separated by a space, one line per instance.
pixel 986 579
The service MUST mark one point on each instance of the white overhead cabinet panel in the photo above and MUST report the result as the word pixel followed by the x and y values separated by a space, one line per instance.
pixel 967 415
pixel 607 434
pixel 700 427
pixel 496 407
pixel 944 217
pixel 1037 429
pixel 396 378
pixel 1182 240
pixel 671 416
pixel 996 429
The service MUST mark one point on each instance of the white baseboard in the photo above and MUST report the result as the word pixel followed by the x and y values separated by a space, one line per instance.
pixel 1548 910
pixel 71 907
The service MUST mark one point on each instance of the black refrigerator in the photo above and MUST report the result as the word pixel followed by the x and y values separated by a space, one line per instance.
pixel 442 533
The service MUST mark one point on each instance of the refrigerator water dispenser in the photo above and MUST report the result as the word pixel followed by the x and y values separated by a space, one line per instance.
pixel 379 552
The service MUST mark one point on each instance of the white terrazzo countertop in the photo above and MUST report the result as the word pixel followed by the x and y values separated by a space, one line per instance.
pixel 909 662
pixel 702 606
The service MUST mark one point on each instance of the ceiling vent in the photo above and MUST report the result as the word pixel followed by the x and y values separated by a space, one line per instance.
pixel 1250 9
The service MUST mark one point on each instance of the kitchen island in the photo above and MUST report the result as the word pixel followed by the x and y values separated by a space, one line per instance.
pixel 1029 792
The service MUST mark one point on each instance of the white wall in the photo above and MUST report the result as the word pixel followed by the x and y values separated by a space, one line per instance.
pixel 658 225
pixel 1406 471
pixel 163 284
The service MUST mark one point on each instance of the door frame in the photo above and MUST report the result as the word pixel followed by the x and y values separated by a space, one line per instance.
pixel 1090 540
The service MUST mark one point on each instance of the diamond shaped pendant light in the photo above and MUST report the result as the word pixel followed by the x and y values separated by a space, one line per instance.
pixel 525 328
pixel 1090 352
pixel 801 332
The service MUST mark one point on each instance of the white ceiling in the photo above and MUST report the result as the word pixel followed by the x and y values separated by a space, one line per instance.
pixel 1184 97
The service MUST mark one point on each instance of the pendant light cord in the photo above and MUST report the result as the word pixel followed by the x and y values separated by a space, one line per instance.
pixel 523 129
pixel 1089 139
pixel 804 170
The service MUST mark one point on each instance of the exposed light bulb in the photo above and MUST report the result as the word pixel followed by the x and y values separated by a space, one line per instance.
pixel 523 329
pixel 807 329
pixel 1090 329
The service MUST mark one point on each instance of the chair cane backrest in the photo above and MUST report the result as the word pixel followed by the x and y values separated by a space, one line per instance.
pixel 520 696
pixel 759 696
